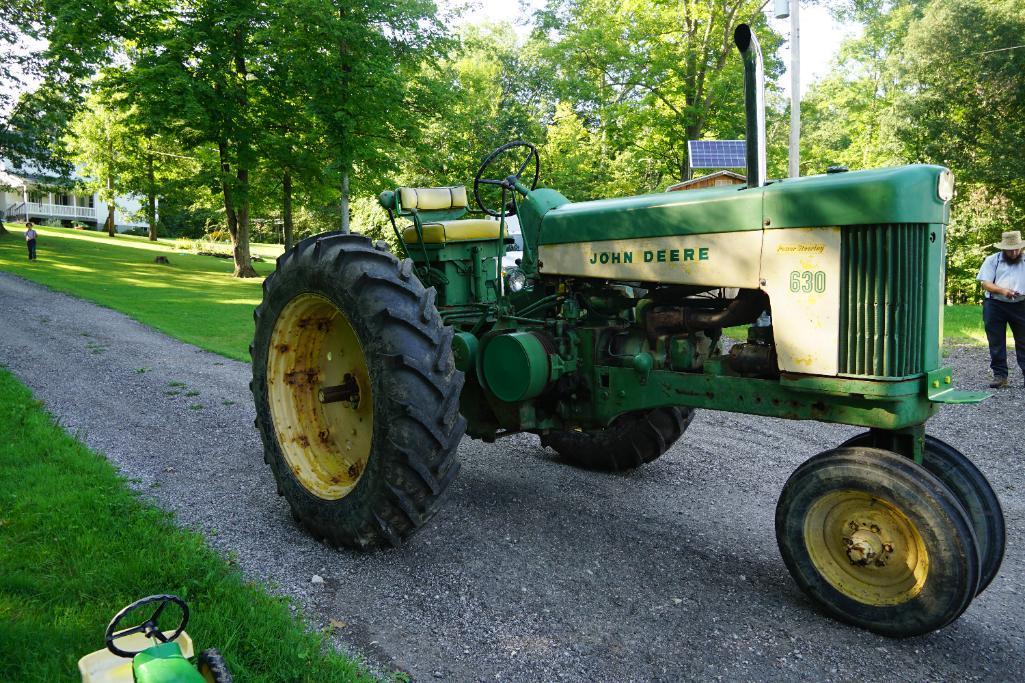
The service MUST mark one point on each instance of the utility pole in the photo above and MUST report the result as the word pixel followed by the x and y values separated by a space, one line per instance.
pixel 795 89
pixel 782 10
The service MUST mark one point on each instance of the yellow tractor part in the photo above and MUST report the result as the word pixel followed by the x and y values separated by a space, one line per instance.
pixel 866 548
pixel 320 397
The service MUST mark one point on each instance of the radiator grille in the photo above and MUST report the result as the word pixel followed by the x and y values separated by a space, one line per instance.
pixel 882 308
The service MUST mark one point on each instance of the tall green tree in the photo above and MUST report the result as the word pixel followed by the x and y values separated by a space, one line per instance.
pixel 962 104
pixel 483 102
pixel 357 64
pixel 963 96
pixel 933 82
pixel 188 71
pixel 113 140
pixel 17 63
pixel 48 49
pixel 291 148
pixel 294 154
pixel 652 75
pixel 99 143
pixel 848 116
pixel 572 157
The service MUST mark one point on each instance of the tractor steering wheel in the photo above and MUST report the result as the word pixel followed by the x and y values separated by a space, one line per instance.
pixel 508 182
pixel 150 627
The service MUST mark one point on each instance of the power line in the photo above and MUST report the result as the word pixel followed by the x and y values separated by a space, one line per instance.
pixel 1002 49
pixel 167 154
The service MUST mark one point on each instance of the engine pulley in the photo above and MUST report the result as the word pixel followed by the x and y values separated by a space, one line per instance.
pixel 518 366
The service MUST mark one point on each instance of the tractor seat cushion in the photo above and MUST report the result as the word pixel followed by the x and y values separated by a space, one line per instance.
pixel 453 231
pixel 432 198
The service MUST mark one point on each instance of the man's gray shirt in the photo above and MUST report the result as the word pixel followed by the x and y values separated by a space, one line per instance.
pixel 1011 276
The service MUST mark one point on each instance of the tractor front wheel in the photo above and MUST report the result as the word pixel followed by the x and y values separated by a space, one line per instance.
pixel 630 441
pixel 973 491
pixel 877 541
pixel 357 396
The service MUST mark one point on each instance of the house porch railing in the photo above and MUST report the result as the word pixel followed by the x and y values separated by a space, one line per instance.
pixel 27 209
pixel 60 210
pixel 15 210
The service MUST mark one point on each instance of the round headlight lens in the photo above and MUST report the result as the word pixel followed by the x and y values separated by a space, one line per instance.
pixel 945 189
pixel 515 279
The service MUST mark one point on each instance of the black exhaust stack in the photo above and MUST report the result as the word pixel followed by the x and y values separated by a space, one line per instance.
pixel 754 103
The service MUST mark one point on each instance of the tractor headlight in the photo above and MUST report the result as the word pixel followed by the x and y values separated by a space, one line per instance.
pixel 515 279
pixel 945 188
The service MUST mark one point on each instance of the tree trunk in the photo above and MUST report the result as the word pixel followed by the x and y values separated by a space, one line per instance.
pixel 238 219
pixel 238 227
pixel 346 70
pixel 691 132
pixel 110 186
pixel 240 243
pixel 238 215
pixel 344 203
pixel 111 232
pixel 286 209
pixel 3 230
pixel 344 60
pixel 151 207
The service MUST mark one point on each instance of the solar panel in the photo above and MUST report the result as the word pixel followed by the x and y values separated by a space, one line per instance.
pixel 717 153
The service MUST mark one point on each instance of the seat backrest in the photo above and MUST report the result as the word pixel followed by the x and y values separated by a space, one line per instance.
pixel 431 203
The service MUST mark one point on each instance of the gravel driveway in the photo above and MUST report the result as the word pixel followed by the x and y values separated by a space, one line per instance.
pixel 532 570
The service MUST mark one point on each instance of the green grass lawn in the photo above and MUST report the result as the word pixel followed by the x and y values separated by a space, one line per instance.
pixel 76 545
pixel 963 325
pixel 194 299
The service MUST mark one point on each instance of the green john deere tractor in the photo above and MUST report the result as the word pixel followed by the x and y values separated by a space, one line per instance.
pixel 368 369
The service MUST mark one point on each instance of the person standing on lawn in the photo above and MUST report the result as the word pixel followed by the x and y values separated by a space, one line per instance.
pixel 1003 277
pixel 30 241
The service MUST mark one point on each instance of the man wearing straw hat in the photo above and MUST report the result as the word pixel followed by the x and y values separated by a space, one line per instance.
pixel 1003 277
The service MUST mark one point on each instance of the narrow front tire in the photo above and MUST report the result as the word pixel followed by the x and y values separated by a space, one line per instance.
pixel 877 541
pixel 973 491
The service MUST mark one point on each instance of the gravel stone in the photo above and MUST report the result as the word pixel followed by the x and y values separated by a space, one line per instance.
pixel 532 570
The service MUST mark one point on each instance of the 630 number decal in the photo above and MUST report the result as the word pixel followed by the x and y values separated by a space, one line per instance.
pixel 808 281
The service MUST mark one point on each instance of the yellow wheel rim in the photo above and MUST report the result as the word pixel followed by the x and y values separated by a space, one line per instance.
pixel 866 548
pixel 321 403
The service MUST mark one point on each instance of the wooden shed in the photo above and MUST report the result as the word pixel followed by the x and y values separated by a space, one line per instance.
pixel 717 179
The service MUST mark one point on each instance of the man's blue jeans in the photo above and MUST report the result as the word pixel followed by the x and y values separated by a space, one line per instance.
pixel 997 316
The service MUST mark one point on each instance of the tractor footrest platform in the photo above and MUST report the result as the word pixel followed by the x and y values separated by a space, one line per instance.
pixel 940 389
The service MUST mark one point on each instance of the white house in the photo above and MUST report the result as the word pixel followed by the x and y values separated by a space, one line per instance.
pixel 28 194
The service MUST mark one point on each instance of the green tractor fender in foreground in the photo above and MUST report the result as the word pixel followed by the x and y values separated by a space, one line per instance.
pixel 150 653
pixel 608 335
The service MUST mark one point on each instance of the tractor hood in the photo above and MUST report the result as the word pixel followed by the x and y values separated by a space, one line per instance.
pixel 898 194
pixel 901 194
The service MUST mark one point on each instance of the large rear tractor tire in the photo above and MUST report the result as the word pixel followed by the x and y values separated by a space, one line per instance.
pixel 973 491
pixel 357 396
pixel 632 440
pixel 877 541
